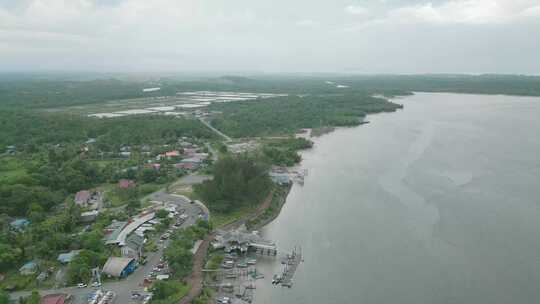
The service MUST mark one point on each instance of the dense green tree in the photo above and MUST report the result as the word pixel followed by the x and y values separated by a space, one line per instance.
pixel 148 175
pixel 238 181
pixel 93 240
pixel 34 298
pixel 9 256
pixel 288 114
pixel 133 205
pixel 80 268
pixel 162 213
pixel 4 297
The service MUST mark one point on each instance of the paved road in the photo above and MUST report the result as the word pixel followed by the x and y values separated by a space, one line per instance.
pixel 123 288
pixel 227 138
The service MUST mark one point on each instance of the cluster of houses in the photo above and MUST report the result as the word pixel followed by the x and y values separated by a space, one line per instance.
pixel 191 157
pixel 89 199
pixel 243 147
pixel 188 156
pixel 129 236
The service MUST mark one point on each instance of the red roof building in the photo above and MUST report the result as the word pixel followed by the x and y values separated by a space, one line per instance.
pixel 126 184
pixel 82 197
pixel 59 298
pixel 172 153
pixel 189 151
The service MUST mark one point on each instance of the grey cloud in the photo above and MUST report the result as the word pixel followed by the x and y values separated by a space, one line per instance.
pixel 392 36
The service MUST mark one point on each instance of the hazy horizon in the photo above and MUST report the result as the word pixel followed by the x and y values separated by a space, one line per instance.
pixel 271 37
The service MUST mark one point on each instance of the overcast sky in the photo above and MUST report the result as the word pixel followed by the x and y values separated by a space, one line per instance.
pixel 360 36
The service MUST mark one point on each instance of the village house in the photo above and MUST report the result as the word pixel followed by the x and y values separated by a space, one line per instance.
pixel 19 224
pixel 186 144
pixel 119 267
pixel 125 154
pixel 280 178
pixel 66 258
pixel 57 298
pixel 155 166
pixel 171 154
pixel 82 197
pixel 29 268
pixel 88 216
pixel 190 151
pixel 88 198
pixel 112 231
pixel 11 149
pixel 133 247
pixel 242 242
pixel 126 184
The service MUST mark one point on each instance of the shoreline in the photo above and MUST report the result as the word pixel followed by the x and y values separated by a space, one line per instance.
pixel 279 193
pixel 282 197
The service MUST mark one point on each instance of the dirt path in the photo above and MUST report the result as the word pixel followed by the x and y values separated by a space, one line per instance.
pixel 195 280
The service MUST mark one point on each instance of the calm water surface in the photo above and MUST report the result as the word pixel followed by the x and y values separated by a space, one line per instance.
pixel 436 203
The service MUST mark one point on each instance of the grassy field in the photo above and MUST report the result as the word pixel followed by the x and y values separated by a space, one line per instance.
pixel 12 171
pixel 221 219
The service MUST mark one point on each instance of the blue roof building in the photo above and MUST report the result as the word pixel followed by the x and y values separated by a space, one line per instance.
pixel 67 257
pixel 119 267
pixel 28 268
pixel 280 178
pixel 19 224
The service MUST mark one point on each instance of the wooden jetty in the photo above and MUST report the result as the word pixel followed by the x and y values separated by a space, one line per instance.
pixel 292 262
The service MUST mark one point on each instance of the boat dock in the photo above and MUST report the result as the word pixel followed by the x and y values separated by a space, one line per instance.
pixel 291 262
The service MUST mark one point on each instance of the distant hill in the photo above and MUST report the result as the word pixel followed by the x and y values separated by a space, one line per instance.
pixel 234 80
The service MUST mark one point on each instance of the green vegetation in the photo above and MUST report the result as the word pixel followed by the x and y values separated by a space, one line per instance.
pixel 220 219
pixel 4 298
pixel 286 115
pixel 168 292
pixel 278 199
pixel 284 152
pixel 52 159
pixel 239 181
pixel 80 269
pixel 178 253
pixel 48 93
pixel 29 130
pixel 180 259
pixel 204 298
pixel 52 162
pixel 162 213
pixel 215 261
pixel 34 298
pixel 12 171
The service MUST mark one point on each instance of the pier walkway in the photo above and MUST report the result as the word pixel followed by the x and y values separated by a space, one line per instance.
pixel 291 264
